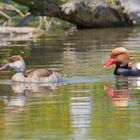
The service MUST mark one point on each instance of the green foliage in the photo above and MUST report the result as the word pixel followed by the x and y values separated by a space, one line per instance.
pixel 11 14
pixel 10 11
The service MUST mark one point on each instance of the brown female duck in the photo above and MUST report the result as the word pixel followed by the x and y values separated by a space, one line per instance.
pixel 42 75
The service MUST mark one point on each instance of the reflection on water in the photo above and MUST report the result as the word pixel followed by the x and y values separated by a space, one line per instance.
pixel 78 107
pixel 33 87
pixel 18 100
pixel 121 93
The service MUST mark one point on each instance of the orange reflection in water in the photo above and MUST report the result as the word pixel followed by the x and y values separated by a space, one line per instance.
pixel 120 97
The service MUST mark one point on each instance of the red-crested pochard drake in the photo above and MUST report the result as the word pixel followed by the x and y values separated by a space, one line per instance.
pixel 120 57
pixel 42 75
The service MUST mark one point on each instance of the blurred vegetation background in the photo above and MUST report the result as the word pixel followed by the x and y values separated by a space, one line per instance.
pixel 82 13
pixel 15 15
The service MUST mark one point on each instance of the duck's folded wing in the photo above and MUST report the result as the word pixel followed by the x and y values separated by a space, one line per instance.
pixel 38 73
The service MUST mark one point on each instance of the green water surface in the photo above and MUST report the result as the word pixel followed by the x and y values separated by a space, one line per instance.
pixel 81 107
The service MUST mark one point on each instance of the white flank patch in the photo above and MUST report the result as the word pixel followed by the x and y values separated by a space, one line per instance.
pixel 138 66
pixel 138 84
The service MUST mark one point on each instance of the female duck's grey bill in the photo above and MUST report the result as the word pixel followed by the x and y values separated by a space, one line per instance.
pixel 4 66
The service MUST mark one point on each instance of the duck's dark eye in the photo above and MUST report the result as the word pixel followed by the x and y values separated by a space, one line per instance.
pixel 118 63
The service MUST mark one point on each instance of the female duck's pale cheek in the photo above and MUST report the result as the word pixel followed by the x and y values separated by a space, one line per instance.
pixel 15 64
pixel 18 65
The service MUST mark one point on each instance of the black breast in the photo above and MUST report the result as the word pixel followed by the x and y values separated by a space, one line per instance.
pixel 126 71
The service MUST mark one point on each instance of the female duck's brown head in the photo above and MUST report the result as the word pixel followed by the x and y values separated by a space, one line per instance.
pixel 119 56
pixel 16 62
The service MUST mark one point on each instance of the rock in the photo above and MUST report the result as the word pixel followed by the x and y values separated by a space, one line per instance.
pixel 82 13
